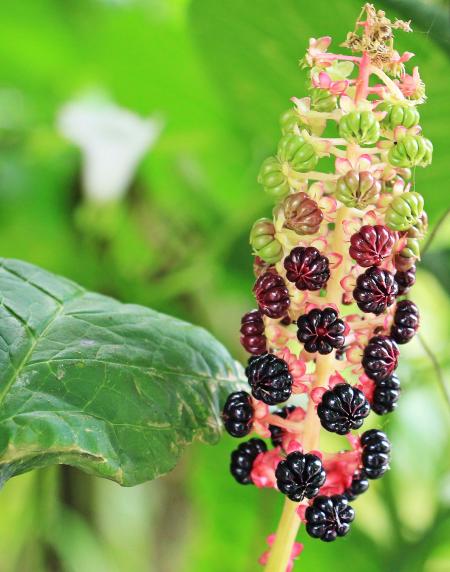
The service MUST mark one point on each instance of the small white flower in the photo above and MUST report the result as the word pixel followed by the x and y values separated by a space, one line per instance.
pixel 112 141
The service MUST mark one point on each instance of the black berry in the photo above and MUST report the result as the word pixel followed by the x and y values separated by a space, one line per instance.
pixel 276 433
pixel 376 453
pixel 300 476
pixel 243 457
pixel 406 322
pixel 321 331
pixel 269 379
pixel 386 395
pixel 272 295
pixel 380 358
pixel 252 333
pixel 405 280
pixel 375 290
pixel 358 486
pixel 307 268
pixel 371 245
pixel 237 414
pixel 343 408
pixel 329 517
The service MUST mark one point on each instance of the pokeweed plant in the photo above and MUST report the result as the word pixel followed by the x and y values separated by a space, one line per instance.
pixel 333 269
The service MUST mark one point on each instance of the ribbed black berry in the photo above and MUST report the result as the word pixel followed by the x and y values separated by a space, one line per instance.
pixel 358 486
pixel 386 395
pixel 380 358
pixel 321 330
pixel 276 433
pixel 343 408
pixel 307 268
pixel 375 290
pixel 300 476
pixel 253 338
pixel 376 453
pixel 243 457
pixel 405 280
pixel 329 517
pixel 269 378
pixel 406 322
pixel 237 414
pixel 272 295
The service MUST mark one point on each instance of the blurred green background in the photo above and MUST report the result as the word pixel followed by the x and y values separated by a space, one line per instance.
pixel 217 74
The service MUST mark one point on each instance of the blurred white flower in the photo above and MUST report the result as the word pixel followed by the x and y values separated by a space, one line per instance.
pixel 112 141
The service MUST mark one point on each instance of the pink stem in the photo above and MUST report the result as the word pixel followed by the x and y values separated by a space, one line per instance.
pixel 362 83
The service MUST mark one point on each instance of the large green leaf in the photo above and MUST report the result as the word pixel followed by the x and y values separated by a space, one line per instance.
pixel 115 389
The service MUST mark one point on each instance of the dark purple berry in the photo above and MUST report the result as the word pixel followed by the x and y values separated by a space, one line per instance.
pixel 269 379
pixel 375 290
pixel 329 517
pixel 321 331
pixel 380 358
pixel 385 395
pixel 376 453
pixel 406 322
pixel 358 486
pixel 276 433
pixel 371 245
pixel 300 476
pixel 237 414
pixel 252 333
pixel 405 280
pixel 307 268
pixel 242 460
pixel 343 408
pixel 272 295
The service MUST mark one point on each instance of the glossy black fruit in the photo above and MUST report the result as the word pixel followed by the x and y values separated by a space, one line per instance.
pixel 386 395
pixel 269 379
pixel 376 453
pixel 406 322
pixel 358 486
pixel 242 460
pixel 375 290
pixel 237 414
pixel 307 268
pixel 321 331
pixel 380 358
pixel 343 408
pixel 300 475
pixel 329 517
pixel 253 338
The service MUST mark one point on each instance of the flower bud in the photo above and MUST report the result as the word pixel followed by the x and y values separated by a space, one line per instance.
pixel 404 211
pixel 322 100
pixel 358 190
pixel 360 127
pixel 411 151
pixel 302 214
pixel 263 241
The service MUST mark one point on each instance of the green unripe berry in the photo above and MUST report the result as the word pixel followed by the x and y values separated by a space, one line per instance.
pixel 289 120
pixel 411 151
pixel 322 100
pixel 300 154
pixel 263 241
pixel 398 114
pixel 358 190
pixel 360 127
pixel 411 249
pixel 419 229
pixel 404 211
pixel 273 179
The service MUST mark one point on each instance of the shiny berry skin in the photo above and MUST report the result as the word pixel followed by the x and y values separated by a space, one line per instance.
pixel 269 379
pixel 343 408
pixel 300 476
pixel 272 295
pixel 376 453
pixel 276 433
pixel 307 268
pixel 252 333
pixel 237 414
pixel 386 395
pixel 375 290
pixel 406 322
pixel 380 358
pixel 329 517
pixel 358 486
pixel 371 245
pixel 321 331
pixel 242 460
pixel 405 280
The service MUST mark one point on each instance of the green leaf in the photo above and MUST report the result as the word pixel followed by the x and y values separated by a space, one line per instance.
pixel 114 389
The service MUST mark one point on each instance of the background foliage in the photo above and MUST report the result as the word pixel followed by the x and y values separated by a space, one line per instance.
pixel 218 74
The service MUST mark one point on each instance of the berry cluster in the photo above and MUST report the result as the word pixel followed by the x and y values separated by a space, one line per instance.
pixel 332 270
